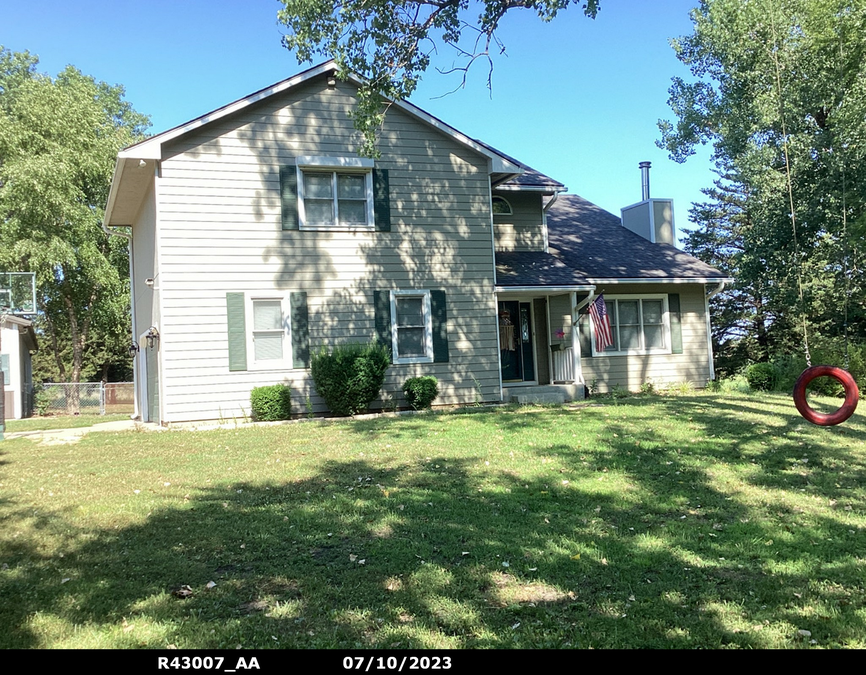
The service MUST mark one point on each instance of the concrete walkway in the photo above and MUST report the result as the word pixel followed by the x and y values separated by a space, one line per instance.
pixel 56 436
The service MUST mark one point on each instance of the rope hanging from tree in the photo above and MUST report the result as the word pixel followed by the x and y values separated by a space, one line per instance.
pixel 852 393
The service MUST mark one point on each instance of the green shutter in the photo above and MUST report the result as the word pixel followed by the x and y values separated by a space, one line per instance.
pixel 381 200
pixel 4 366
pixel 237 331
pixel 382 316
pixel 440 326
pixel 289 196
pixel 676 323
pixel 300 331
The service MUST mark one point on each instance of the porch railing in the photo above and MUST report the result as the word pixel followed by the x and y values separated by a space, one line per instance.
pixel 563 365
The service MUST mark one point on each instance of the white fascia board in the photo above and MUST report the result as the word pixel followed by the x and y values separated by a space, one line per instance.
pixel 152 147
pixel 531 188
pixel 667 280
pixel 115 186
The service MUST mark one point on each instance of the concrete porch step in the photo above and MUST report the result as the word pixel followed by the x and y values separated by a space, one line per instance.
pixel 539 398
pixel 545 393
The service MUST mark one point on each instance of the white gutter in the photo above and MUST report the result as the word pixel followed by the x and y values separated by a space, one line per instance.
pixel 549 189
pixel 128 238
pixel 543 290
pixel 662 280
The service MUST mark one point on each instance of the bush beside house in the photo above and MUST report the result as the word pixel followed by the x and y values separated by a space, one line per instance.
pixel 271 403
pixel 421 391
pixel 350 377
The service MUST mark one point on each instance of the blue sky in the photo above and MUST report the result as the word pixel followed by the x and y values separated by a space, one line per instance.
pixel 576 99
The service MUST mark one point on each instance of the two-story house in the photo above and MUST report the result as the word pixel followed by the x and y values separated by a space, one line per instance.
pixel 258 236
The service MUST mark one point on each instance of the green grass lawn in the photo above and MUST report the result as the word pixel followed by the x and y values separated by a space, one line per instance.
pixel 61 422
pixel 703 520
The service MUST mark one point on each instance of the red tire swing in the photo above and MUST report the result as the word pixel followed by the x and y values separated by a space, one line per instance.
pixel 852 395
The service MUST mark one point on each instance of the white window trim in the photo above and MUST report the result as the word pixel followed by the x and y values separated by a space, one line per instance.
pixel 428 327
pixel 666 325
pixel 284 363
pixel 335 165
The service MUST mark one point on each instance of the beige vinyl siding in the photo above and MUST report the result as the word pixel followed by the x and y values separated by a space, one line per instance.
pixel 560 319
pixel 521 231
pixel 630 371
pixel 220 232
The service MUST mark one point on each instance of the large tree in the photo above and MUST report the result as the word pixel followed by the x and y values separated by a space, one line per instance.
pixel 59 138
pixel 389 42
pixel 778 90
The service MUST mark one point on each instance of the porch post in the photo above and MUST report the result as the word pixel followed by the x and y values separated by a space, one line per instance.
pixel 575 339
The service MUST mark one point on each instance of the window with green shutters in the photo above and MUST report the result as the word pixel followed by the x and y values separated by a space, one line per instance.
pixel 335 193
pixel 413 324
pixel 267 331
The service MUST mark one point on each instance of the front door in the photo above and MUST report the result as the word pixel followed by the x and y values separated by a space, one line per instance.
pixel 515 341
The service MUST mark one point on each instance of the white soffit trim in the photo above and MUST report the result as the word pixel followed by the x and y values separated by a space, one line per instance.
pixel 550 189
pixel 667 280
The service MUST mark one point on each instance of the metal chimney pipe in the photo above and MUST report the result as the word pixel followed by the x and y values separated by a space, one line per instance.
pixel 644 180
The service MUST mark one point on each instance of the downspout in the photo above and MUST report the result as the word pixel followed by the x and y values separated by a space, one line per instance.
pixel 718 289
pixel 495 296
pixel 544 221
pixel 128 238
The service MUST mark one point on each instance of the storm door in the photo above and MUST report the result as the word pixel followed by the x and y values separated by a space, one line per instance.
pixel 515 341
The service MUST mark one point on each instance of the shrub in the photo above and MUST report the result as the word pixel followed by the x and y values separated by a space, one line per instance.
pixel 271 403
pixel 350 377
pixel 761 376
pixel 420 391
pixel 648 388
pixel 41 400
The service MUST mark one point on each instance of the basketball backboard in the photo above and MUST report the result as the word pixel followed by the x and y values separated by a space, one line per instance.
pixel 18 293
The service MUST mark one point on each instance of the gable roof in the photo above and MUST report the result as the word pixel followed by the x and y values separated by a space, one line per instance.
pixel 594 243
pixel 530 178
pixel 135 164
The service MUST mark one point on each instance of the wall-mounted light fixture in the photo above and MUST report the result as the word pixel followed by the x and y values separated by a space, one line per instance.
pixel 152 336
pixel 133 349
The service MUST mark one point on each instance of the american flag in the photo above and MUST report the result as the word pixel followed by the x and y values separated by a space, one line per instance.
pixel 601 319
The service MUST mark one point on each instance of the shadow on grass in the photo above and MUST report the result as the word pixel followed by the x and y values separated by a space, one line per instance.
pixel 614 535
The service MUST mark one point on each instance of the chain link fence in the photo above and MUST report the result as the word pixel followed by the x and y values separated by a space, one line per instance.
pixel 83 398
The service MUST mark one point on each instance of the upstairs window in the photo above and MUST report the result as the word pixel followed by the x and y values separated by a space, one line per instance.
pixel 501 207
pixel 337 200
pixel 335 193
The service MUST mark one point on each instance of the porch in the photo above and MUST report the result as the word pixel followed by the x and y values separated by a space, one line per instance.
pixel 539 344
